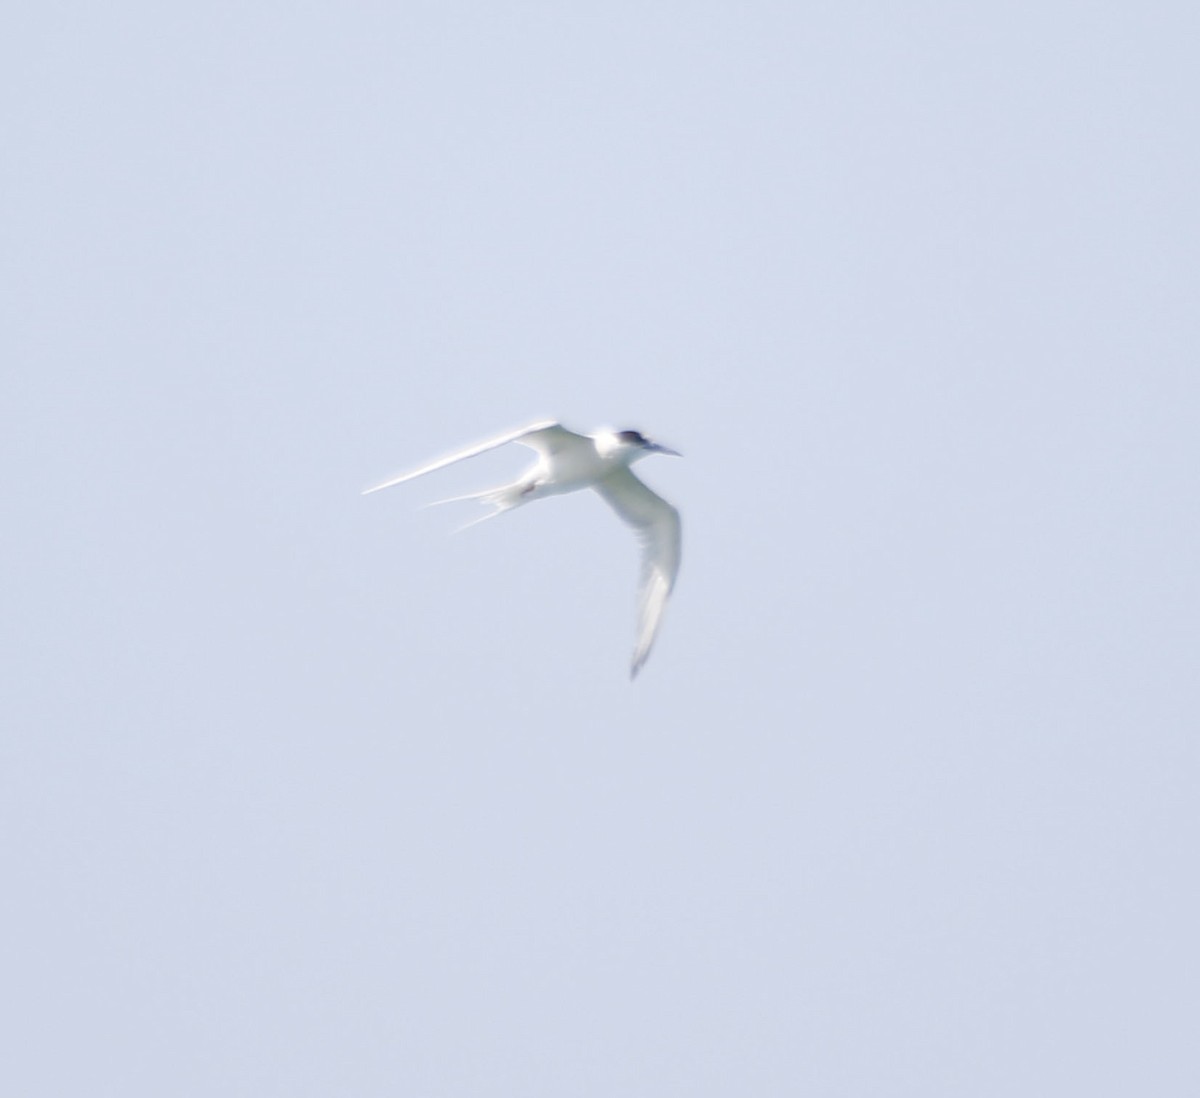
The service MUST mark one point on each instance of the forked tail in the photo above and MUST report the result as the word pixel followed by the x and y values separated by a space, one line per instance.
pixel 499 499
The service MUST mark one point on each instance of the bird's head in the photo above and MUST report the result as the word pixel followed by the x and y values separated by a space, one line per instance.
pixel 631 446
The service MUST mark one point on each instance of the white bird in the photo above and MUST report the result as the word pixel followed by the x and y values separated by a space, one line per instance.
pixel 568 462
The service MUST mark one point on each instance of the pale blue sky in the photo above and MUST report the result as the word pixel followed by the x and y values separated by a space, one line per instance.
pixel 303 796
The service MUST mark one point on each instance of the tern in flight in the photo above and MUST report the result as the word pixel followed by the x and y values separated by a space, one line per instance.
pixel 568 462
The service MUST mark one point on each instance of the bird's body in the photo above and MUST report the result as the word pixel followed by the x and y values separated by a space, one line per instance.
pixel 570 462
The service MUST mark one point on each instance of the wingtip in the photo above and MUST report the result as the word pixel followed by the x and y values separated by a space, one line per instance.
pixel 390 483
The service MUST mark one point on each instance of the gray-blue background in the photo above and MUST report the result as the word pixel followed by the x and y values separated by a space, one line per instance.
pixel 302 796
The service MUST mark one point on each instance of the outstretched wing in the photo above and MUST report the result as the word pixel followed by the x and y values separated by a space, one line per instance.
pixel 545 437
pixel 656 524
